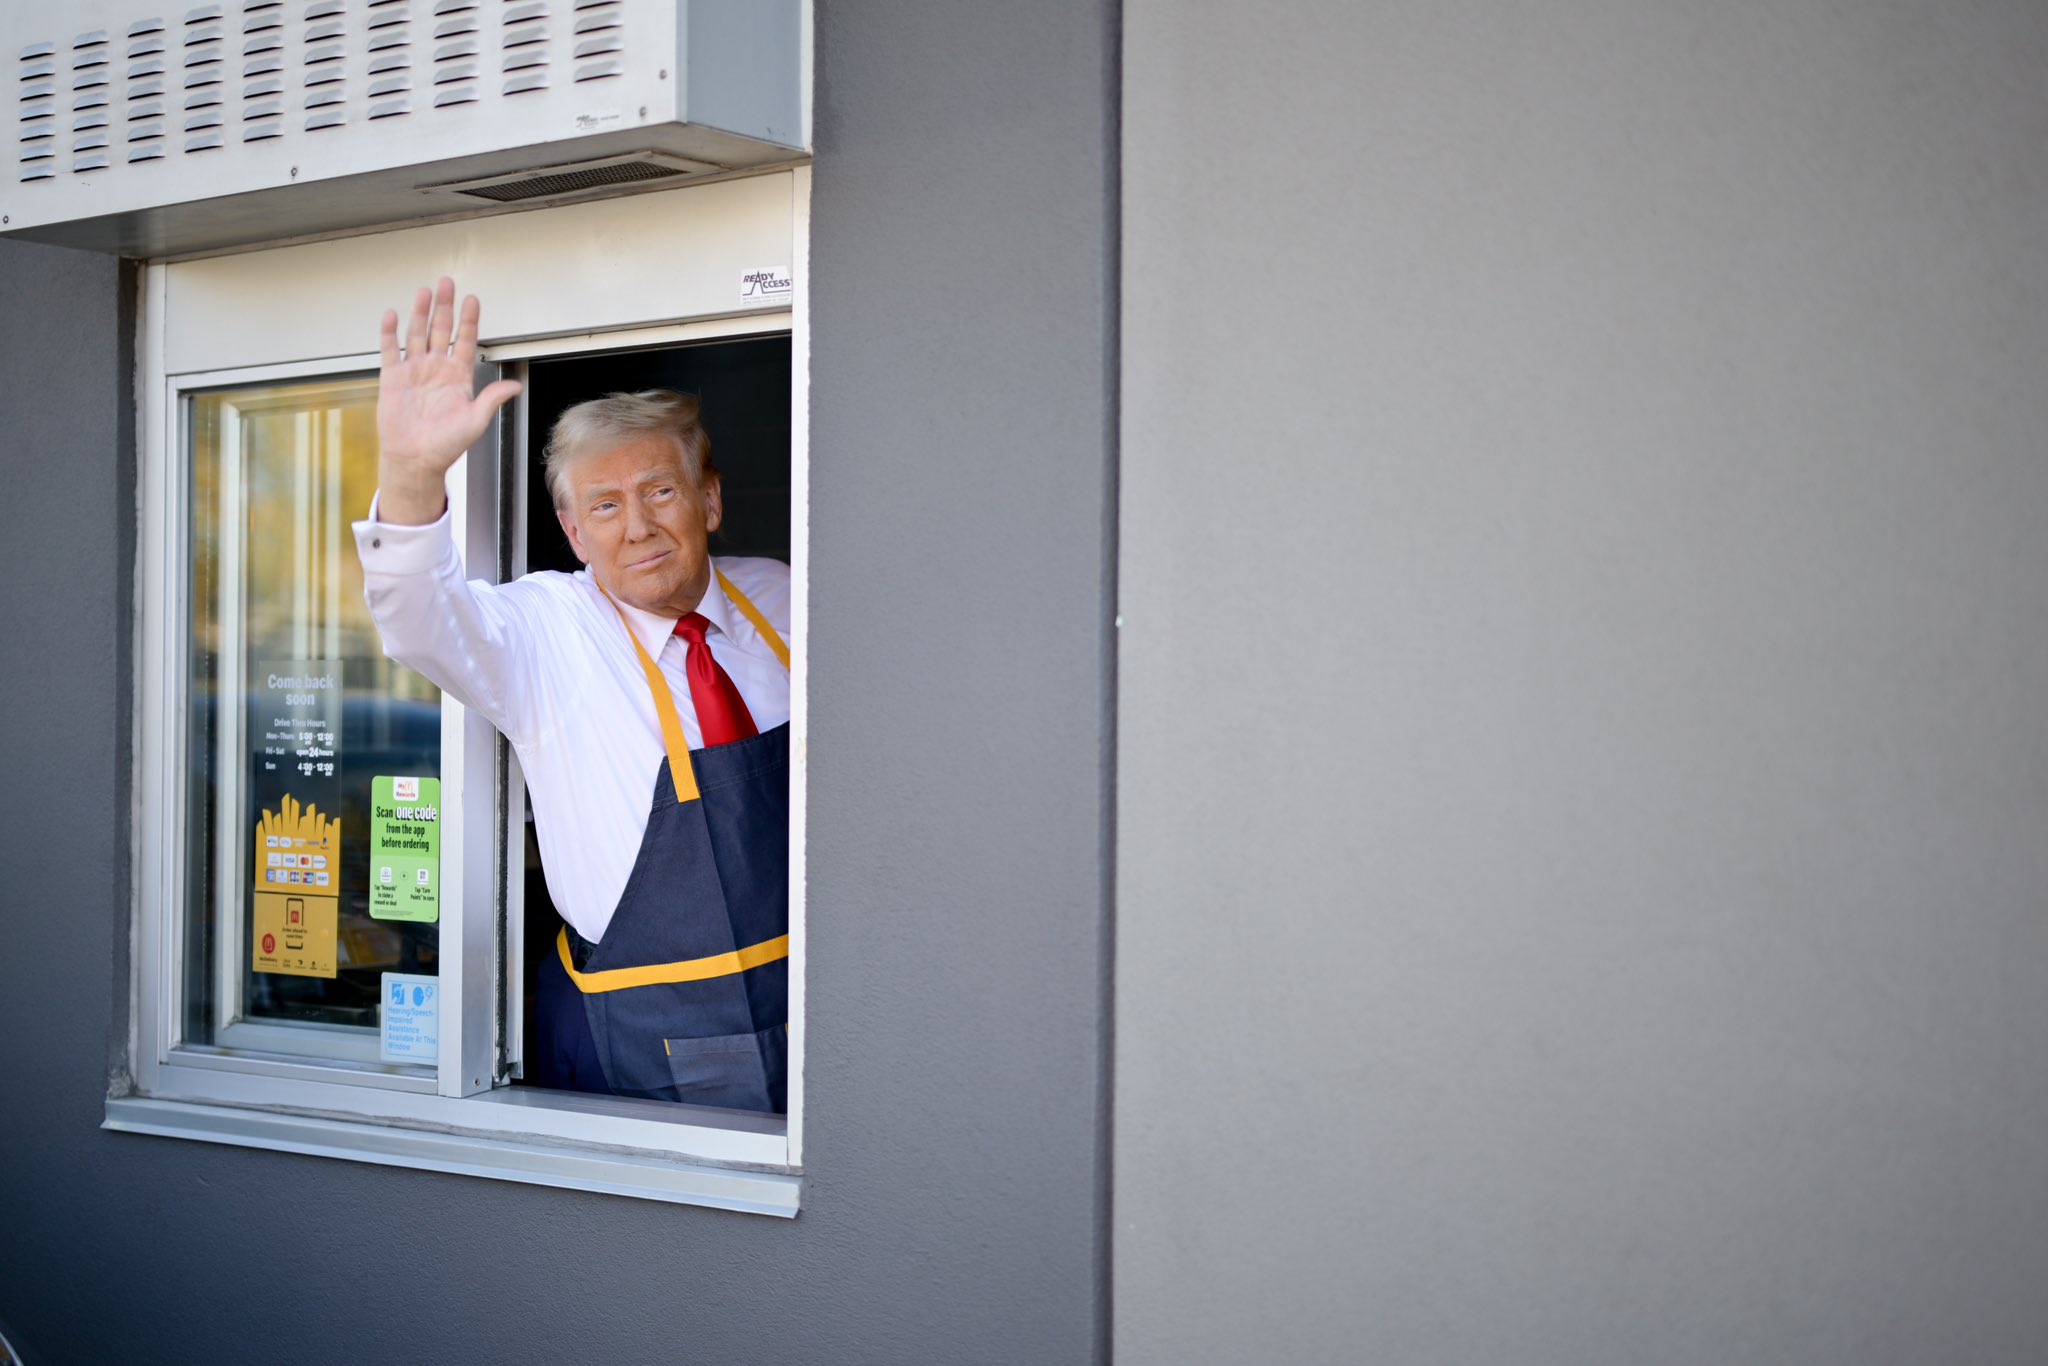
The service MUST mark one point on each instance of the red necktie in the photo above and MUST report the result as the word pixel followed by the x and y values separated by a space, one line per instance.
pixel 721 712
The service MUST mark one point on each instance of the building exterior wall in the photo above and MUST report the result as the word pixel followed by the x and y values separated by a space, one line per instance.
pixel 66 446
pixel 961 439
pixel 1583 683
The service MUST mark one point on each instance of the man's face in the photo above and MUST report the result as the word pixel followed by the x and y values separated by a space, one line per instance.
pixel 643 525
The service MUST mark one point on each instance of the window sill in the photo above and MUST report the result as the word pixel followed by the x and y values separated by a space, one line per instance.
pixel 494 1156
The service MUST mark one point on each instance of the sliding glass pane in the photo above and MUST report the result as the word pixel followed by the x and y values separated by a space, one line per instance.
pixel 297 719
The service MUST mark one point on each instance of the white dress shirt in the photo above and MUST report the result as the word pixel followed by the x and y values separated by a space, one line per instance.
pixel 548 662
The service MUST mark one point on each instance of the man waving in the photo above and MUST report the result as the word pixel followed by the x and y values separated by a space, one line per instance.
pixel 648 698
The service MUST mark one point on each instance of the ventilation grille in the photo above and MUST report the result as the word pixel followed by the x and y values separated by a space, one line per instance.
pixel 220 74
pixel 569 182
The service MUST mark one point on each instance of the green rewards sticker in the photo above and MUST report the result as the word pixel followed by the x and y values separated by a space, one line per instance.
pixel 405 848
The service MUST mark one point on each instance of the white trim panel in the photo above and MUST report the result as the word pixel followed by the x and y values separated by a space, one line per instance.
pixel 800 626
pixel 579 268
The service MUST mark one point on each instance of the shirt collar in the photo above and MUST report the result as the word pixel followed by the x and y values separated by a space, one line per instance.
pixel 653 629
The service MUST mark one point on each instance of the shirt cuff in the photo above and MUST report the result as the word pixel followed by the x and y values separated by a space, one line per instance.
pixel 390 548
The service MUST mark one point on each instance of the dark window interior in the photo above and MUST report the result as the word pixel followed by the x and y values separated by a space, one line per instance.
pixel 744 389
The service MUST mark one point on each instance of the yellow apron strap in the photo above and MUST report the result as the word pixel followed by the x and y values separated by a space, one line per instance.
pixel 658 974
pixel 680 770
pixel 753 614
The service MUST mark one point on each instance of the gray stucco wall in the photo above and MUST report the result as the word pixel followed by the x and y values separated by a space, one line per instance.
pixel 1584 730
pixel 961 438
pixel 65 436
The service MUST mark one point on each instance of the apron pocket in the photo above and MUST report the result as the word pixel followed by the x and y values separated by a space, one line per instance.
pixel 732 1071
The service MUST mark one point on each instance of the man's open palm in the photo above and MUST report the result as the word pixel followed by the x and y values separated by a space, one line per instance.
pixel 427 414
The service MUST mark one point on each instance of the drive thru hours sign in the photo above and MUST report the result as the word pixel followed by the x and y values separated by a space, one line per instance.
pixel 295 707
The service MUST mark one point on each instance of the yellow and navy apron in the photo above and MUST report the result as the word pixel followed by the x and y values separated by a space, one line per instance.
pixel 686 996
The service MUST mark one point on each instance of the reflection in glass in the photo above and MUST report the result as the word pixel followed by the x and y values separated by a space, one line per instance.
pixel 294 710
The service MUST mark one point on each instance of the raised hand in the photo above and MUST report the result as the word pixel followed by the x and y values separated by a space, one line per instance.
pixel 427 415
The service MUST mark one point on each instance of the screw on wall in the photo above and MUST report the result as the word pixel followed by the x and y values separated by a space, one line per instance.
pixel 295 173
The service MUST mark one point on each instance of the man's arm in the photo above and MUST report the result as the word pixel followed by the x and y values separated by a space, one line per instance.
pixel 468 638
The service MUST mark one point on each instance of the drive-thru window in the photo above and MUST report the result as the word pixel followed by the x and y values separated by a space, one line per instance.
pixel 338 910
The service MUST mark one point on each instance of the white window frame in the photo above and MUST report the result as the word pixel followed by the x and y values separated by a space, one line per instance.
pixel 453 1120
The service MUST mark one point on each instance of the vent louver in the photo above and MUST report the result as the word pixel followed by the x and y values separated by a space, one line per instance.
pixel 145 89
pixel 456 47
pixel 38 78
pixel 526 46
pixel 262 71
pixel 91 95
pixel 202 78
pixel 326 65
pixel 390 68
pixel 600 39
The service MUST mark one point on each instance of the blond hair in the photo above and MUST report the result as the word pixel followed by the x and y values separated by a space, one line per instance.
pixel 602 423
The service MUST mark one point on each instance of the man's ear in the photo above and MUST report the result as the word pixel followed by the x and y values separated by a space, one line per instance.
pixel 714 503
pixel 575 537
